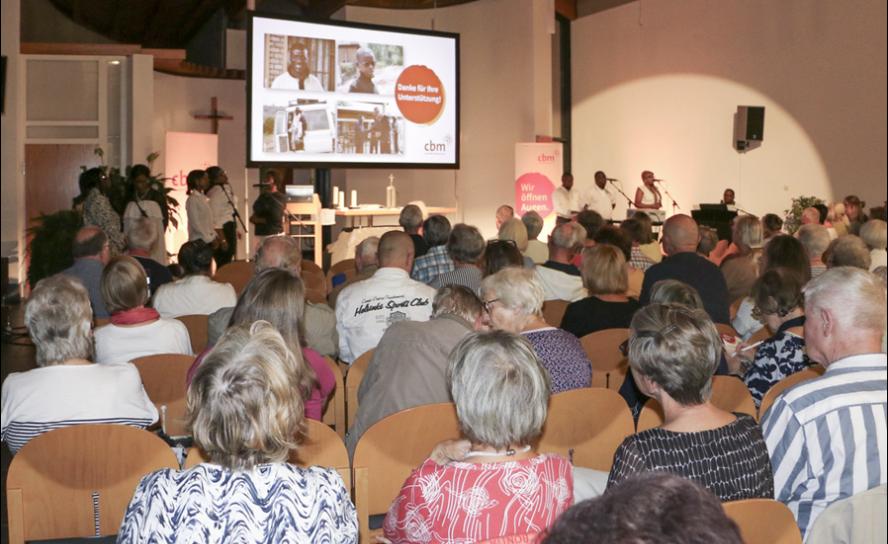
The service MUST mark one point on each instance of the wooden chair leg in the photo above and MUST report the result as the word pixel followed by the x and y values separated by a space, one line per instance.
pixel 361 487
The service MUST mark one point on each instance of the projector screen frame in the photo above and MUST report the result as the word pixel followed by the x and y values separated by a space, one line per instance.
pixel 455 165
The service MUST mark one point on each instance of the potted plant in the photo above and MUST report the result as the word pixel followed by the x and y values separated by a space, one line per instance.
pixel 793 220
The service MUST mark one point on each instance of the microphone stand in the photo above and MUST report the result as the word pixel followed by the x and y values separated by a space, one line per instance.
pixel 234 211
pixel 629 200
pixel 674 203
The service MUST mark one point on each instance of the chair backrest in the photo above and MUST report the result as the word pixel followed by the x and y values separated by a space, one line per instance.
pixel 197 326
pixel 609 365
pixel 728 393
pixel 778 388
pixel 723 328
pixel 345 266
pixel 763 521
pixel 237 273
pixel 334 412
pixel 760 335
pixel 553 311
pixel 353 382
pixel 100 322
pixel 587 425
pixel 391 448
pixel 77 481
pixel 164 379
pixel 735 307
pixel 310 267
pixel 859 519
pixel 320 446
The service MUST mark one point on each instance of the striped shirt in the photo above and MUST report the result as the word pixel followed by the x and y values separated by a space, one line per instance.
pixel 639 260
pixel 436 261
pixel 467 276
pixel 827 436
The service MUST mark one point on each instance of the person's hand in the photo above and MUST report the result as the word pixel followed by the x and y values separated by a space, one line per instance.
pixel 450 450
pixel 739 359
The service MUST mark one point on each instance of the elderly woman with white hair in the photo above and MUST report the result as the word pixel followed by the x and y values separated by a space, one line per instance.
pixel 673 353
pixel 513 300
pixel 874 233
pixel 495 485
pixel 67 388
pixel 245 418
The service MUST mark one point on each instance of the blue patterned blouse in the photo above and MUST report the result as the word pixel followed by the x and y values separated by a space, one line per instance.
pixel 563 356
pixel 776 358
pixel 270 503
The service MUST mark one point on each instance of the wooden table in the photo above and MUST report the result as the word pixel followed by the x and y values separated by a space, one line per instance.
pixel 354 215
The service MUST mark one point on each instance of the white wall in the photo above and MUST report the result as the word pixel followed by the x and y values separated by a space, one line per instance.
pixel 177 99
pixel 655 85
pixel 12 150
pixel 505 95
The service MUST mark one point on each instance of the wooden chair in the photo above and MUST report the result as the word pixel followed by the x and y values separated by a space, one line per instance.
pixel 609 365
pixel 726 329
pixel 311 267
pixel 345 266
pixel 390 449
pixel 334 412
pixel 100 322
pixel 77 481
pixel 735 307
pixel 763 521
pixel 353 383
pixel 237 273
pixel 553 311
pixel 320 446
pixel 728 393
pixel 316 296
pixel 197 326
pixel 778 388
pixel 164 379
pixel 587 425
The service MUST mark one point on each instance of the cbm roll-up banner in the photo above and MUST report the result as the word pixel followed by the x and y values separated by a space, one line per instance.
pixel 538 169
pixel 186 151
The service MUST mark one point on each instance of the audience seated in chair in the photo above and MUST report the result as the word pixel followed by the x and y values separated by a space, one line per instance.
pixel 91 253
pixel 513 300
pixel 465 246
pixel 503 214
pixel 673 354
pixel 410 220
pixel 873 233
pixel 815 239
pixel 277 296
pixel 618 238
pixel 501 392
pixel 436 232
pixel 365 310
pixel 822 456
pixel 67 388
pixel 318 320
pixel 560 279
pixel 244 417
pixel 536 249
pixel 741 268
pixel 399 378
pixel 135 330
pixel 196 293
pixel 848 250
pixel 500 254
pixel 140 239
pixel 366 264
pixel 513 230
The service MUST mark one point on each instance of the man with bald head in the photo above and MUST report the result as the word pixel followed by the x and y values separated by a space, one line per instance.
pixel 503 214
pixel 682 263
pixel 91 252
pixel 364 310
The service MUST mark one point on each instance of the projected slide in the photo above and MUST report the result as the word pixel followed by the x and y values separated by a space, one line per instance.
pixel 351 95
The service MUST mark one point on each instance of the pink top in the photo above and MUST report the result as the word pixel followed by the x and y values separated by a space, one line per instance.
pixel 326 381
pixel 465 502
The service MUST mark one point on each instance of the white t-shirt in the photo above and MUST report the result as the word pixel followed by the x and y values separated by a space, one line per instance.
pixel 116 344
pixel 286 81
pixel 364 310
pixel 558 285
pixel 601 201
pixel 219 205
pixel 200 218
pixel 193 295
pixel 52 397
pixel 564 202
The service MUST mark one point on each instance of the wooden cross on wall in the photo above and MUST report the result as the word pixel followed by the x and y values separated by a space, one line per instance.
pixel 215 115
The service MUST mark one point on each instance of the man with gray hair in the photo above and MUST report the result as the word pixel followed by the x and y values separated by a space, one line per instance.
pixel 536 249
pixel 366 264
pixel 560 279
pixel 847 250
pixel 319 321
pixel 411 221
pixel 436 231
pixel 815 239
pixel 91 251
pixel 365 310
pixel 465 248
pixel 398 378
pixel 139 240
pixel 826 436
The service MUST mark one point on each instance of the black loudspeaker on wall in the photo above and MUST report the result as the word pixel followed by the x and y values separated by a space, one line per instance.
pixel 749 127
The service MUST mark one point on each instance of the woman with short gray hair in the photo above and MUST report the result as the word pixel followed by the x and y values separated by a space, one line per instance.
pixel 513 302
pixel 673 353
pixel 494 484
pixel 68 389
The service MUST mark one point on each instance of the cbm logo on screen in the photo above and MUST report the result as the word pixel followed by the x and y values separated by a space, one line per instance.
pixel 435 147
pixel 546 157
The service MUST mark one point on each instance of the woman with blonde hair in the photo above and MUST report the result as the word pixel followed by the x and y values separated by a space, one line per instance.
pixel 740 265
pixel 514 229
pixel 136 330
pixel 245 419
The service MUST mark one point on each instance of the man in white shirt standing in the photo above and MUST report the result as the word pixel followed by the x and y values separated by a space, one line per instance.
pixel 223 204
pixel 600 199
pixel 364 310
pixel 565 200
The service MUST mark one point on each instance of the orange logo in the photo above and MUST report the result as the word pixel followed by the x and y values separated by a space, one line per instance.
pixel 419 94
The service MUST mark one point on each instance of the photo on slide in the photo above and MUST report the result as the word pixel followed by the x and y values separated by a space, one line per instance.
pixel 297 63
pixel 302 126
pixel 369 68
pixel 369 128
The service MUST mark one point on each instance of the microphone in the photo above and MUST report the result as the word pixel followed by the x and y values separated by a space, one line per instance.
pixel 611 179
pixel 659 180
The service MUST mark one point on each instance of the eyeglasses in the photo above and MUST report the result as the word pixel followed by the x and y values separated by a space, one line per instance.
pixel 487 304
pixel 506 241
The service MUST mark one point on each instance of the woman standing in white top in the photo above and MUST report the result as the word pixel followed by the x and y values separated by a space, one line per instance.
pixel 142 205
pixel 647 197
pixel 197 206
pixel 135 330
pixel 67 388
